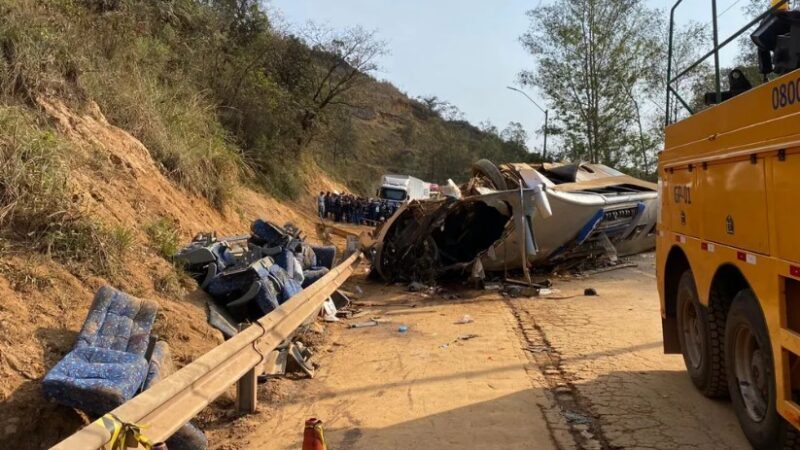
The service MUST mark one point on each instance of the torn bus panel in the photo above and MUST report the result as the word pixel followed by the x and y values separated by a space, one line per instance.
pixel 426 240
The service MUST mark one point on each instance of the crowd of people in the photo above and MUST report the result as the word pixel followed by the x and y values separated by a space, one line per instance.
pixel 348 208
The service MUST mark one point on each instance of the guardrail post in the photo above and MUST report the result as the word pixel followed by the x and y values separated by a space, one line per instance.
pixel 247 388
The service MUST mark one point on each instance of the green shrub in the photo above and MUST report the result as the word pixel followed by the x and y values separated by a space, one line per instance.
pixel 177 126
pixel 164 237
pixel 36 204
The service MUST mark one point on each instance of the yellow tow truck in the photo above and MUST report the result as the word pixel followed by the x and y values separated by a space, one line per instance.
pixel 728 244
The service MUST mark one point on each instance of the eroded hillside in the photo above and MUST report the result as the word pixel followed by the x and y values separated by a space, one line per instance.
pixel 116 184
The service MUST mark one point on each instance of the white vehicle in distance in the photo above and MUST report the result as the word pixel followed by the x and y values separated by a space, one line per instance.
pixel 403 188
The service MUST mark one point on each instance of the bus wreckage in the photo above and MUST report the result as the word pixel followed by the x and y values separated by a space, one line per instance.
pixel 518 216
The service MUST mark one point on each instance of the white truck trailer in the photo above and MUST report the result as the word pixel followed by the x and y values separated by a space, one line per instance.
pixel 403 188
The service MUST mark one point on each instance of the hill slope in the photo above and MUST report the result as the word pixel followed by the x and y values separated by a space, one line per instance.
pixel 117 183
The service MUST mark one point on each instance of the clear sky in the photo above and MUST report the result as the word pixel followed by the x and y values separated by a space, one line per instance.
pixel 464 51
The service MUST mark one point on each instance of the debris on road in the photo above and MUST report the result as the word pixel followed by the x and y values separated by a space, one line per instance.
pixel 358 315
pixel 589 292
pixel 465 320
pixel 417 287
pixel 573 417
pixel 369 323
pixel 329 311
pixel 340 299
pixel 250 276
pixel 301 357
pixel 278 363
pixel 403 328
pixel 607 269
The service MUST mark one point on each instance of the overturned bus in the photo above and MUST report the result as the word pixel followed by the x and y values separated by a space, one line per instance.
pixel 518 216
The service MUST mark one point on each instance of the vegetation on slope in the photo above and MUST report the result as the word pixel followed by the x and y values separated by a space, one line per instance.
pixel 220 97
pixel 36 204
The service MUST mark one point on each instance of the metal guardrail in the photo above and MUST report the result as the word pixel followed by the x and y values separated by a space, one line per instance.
pixel 175 400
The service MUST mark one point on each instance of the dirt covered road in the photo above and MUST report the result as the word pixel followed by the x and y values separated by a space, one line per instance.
pixel 528 373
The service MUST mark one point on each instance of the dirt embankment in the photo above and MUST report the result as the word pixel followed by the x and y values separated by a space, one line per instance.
pixel 43 303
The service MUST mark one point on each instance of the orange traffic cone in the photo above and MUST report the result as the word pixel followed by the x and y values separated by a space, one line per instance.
pixel 313 436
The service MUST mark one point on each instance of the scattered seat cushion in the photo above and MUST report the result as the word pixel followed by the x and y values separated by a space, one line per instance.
pixel 95 380
pixel 309 257
pixel 267 297
pixel 204 260
pixel 107 366
pixel 232 285
pixel 325 256
pixel 291 264
pixel 118 321
pixel 286 286
pixel 247 293
pixel 188 437
pixel 313 274
pixel 268 234
pixel 159 365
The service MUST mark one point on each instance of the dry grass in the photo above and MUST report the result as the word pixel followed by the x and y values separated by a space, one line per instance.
pixel 174 283
pixel 36 206
pixel 34 193
pixel 103 249
pixel 28 275
pixel 44 49
pixel 179 128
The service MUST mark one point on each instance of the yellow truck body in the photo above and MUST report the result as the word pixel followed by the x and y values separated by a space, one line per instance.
pixel 729 179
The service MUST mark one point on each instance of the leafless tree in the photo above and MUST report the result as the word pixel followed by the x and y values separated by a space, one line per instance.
pixel 345 59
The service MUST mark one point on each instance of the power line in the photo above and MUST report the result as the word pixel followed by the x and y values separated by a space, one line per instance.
pixel 728 8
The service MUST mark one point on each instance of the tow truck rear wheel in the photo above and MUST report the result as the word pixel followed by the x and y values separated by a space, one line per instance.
pixel 702 350
pixel 751 378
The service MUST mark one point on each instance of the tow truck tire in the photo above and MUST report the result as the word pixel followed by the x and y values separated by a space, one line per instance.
pixel 702 350
pixel 751 377
pixel 486 168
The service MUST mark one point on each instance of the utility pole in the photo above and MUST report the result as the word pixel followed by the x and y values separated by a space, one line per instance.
pixel 546 117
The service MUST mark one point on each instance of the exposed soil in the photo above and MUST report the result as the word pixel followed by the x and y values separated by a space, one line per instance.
pixel 43 304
